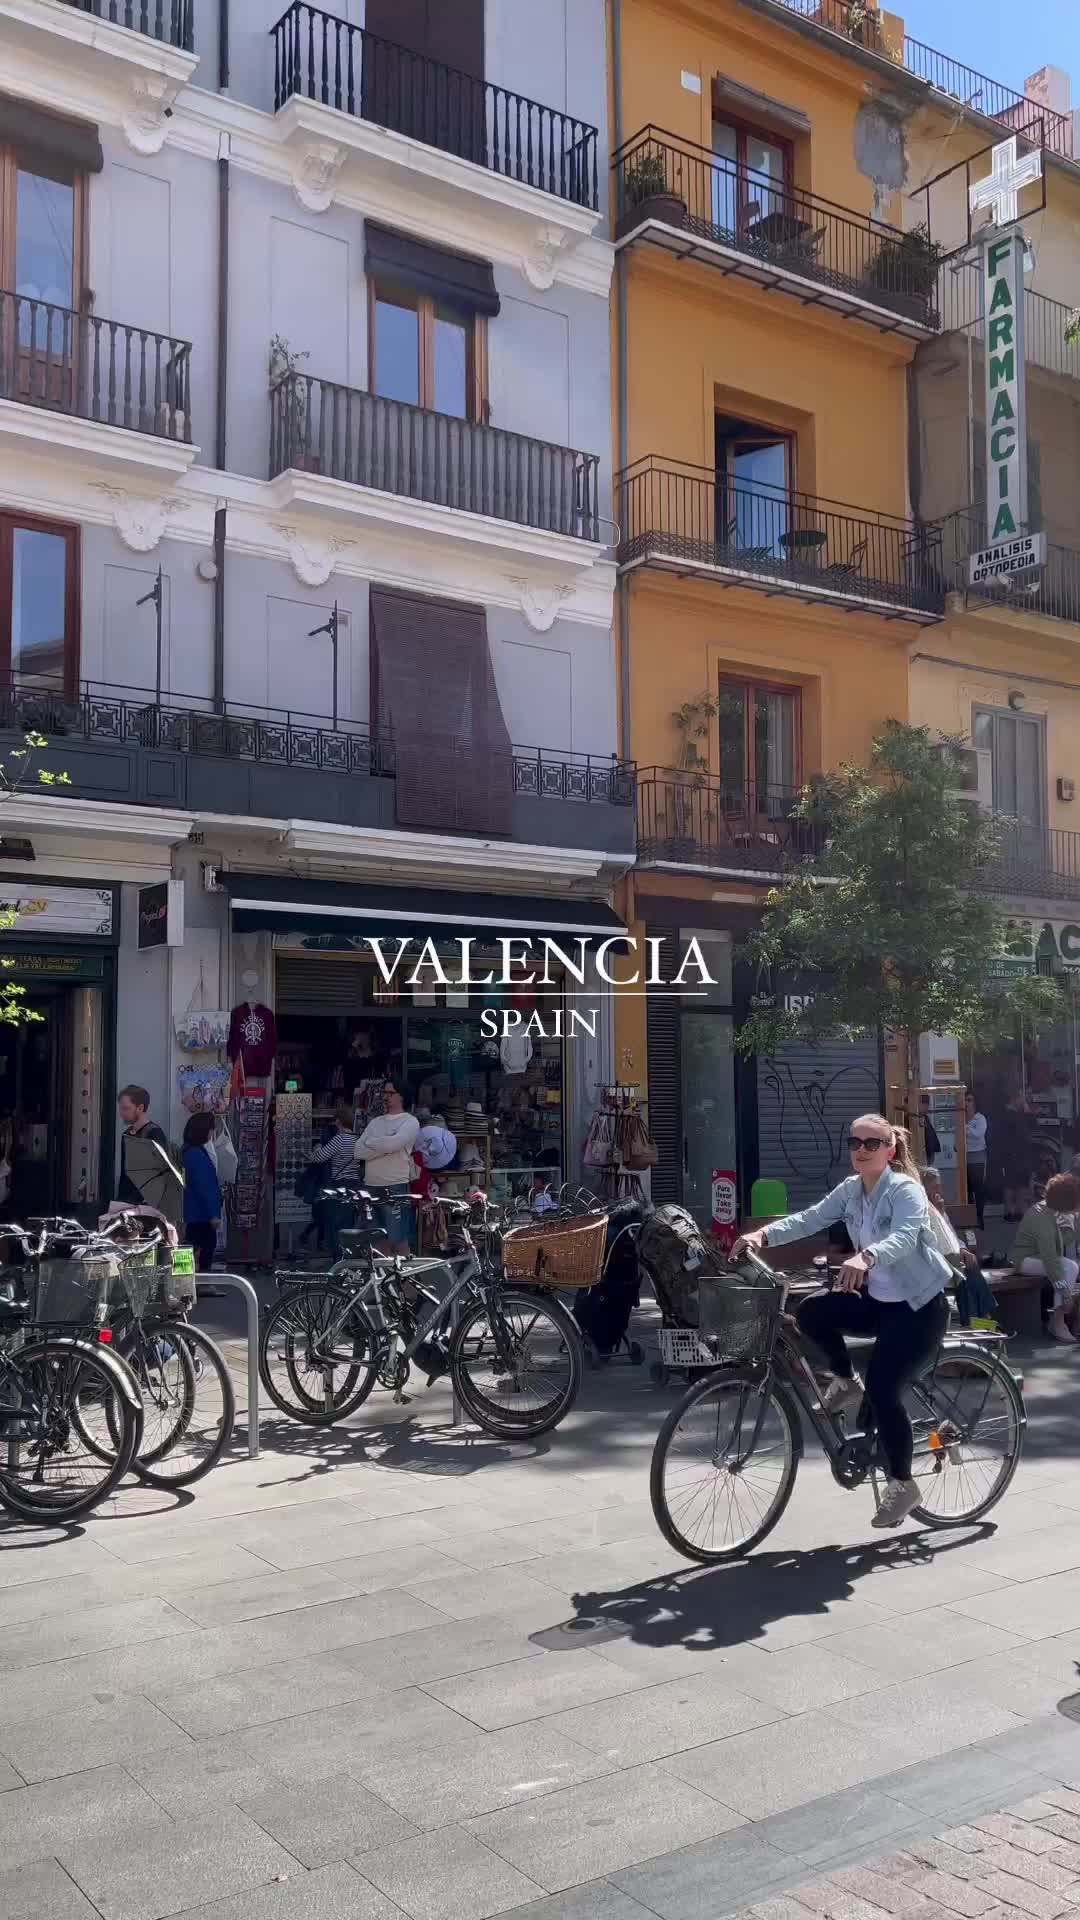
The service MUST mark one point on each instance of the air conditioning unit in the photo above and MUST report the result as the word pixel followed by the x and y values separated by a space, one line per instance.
pixel 975 778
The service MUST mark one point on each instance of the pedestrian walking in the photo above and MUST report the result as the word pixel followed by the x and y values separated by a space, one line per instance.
pixel 133 1106
pixel 975 1135
pixel 202 1189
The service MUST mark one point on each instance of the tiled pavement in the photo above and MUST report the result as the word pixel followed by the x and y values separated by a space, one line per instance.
pixel 402 1669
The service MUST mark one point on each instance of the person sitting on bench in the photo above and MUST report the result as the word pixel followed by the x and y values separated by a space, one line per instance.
pixel 1039 1250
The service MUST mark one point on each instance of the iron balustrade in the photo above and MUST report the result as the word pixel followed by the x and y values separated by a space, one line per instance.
pixel 1053 590
pixel 103 370
pixel 172 21
pixel 318 426
pixel 863 25
pixel 698 819
pixel 318 56
pixel 1047 322
pixel 284 737
pixel 1038 862
pixel 670 511
pixel 660 176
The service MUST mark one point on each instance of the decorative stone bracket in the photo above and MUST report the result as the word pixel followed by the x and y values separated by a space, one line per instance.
pixel 151 99
pixel 139 521
pixel 550 247
pixel 311 557
pixel 315 173
pixel 540 605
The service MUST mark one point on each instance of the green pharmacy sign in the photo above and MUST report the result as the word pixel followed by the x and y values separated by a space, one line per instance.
pixel 1006 388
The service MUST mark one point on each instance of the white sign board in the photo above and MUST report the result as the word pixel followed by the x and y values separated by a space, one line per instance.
pixel 1007 557
pixel 43 909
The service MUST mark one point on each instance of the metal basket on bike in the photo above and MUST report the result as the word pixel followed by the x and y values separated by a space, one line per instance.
pixel 565 1252
pixel 150 1286
pixel 739 1319
pixel 73 1291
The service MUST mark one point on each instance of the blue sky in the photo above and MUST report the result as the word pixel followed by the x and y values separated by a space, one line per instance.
pixel 1005 39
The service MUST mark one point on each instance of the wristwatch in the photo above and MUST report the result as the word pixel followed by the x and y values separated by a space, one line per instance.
pixel 870 1256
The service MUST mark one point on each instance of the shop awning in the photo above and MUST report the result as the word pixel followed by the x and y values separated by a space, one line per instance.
pixel 262 903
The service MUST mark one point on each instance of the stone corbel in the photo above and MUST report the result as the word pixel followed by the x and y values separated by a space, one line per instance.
pixel 551 245
pixel 151 99
pixel 540 605
pixel 313 559
pixel 315 173
pixel 140 522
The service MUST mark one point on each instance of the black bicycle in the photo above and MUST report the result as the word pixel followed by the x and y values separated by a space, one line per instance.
pixel 725 1460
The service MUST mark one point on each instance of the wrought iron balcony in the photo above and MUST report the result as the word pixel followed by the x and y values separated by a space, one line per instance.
pixel 690 520
pixel 693 202
pixel 122 743
pixel 95 369
pixel 1035 862
pixel 865 28
pixel 318 426
pixel 1053 590
pixel 698 820
pixel 318 56
pixel 1047 323
pixel 172 21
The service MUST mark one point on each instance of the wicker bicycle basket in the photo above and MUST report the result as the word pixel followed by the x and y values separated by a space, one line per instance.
pixel 73 1292
pixel 556 1253
pixel 148 1287
pixel 739 1318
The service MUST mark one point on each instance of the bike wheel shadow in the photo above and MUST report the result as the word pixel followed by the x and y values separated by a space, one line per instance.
pixel 705 1609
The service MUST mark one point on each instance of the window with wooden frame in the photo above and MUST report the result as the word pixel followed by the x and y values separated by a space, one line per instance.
pixel 42 248
pixel 753 176
pixel 426 351
pixel 760 727
pixel 39 602
pixel 755 479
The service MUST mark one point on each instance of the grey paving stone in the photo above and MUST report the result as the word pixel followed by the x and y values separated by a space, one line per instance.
pixel 330 1893
pixel 310 1542
pixel 9 1777
pixel 236 1700
pixel 351 1738
pixel 465 1594
pixel 148 1875
pixel 202 1777
pixel 31 1555
pixel 1030 1555
pixel 447 1876
pixel 795 1678
pixel 597 1828
pixel 921 1643
pixel 42 1892
pixel 436 1653
pixel 93 1630
pixel 666 1719
pixel 1033 1609
pixel 327 1821
pixel 953 1781
pixel 90 1733
pixel 228 1601
pixel 695 1883
pixel 493 1770
pixel 827 1829
pixel 109 1579
pixel 919 1718
pixel 1050 1746
pixel 392 1567
pixel 529 1689
pixel 599 1900
pixel 104 1802
pixel 785 1765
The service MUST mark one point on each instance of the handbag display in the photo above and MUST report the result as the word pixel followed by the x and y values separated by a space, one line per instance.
pixel 634 1143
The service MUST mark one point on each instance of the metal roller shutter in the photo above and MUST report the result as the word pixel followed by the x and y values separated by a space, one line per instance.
pixel 807 1099
pixel 665 1077
pixel 318 983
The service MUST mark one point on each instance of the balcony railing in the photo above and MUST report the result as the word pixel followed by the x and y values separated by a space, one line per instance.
pixel 280 737
pixel 696 819
pixel 320 427
pixel 1054 590
pixel 101 370
pixel 1047 322
pixel 694 520
pixel 864 27
pixel 777 228
pixel 318 56
pixel 172 21
pixel 1035 862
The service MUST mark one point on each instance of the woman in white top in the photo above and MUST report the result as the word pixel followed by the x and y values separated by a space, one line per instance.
pixel 385 1147
pixel 975 1134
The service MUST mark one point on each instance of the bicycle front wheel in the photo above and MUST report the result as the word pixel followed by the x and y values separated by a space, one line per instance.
pixel 516 1364
pixel 724 1466
pixel 310 1376
pixel 969 1419
pixel 49 1470
pixel 197 1444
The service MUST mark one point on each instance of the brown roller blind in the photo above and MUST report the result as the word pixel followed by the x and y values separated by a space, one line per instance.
pixel 37 134
pixel 448 30
pixel 454 277
pixel 433 688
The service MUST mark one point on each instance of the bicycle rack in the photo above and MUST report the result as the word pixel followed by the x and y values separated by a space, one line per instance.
pixel 245 1288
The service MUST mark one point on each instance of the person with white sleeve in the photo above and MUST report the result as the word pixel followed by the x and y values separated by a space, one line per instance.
pixel 385 1148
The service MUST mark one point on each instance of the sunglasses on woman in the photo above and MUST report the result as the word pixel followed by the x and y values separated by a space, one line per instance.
pixel 868 1145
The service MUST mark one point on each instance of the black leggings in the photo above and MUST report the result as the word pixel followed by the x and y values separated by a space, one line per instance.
pixel 904 1344
pixel 203 1237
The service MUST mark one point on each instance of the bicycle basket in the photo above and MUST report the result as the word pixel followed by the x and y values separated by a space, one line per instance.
pixel 74 1292
pixel 148 1287
pixel 556 1253
pixel 738 1318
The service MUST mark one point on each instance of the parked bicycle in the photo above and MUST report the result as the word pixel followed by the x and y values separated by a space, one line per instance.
pixel 513 1355
pixel 725 1460
pixel 71 1418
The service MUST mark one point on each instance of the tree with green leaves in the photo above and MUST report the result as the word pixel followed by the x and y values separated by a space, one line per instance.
pixel 19 768
pixel 894 920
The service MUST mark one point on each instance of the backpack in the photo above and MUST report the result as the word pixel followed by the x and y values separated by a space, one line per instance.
pixel 676 1255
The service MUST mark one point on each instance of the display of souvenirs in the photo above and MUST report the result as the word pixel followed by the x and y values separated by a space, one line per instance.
pixel 203 1089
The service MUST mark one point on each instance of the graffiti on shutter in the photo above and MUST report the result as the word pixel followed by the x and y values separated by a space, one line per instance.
pixel 807 1099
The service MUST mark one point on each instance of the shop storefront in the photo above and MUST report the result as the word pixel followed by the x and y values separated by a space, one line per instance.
pixel 1041 1061
pixel 57 1069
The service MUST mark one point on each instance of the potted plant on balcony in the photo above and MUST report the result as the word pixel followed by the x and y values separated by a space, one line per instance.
pixel 861 23
pixel 293 422
pixel 693 721
pixel 647 193
pixel 906 269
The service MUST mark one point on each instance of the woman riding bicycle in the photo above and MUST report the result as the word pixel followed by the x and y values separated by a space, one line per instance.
pixel 892 1287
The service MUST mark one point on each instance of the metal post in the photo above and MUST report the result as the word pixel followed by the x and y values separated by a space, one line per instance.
pixel 155 594
pixel 331 628
pixel 245 1288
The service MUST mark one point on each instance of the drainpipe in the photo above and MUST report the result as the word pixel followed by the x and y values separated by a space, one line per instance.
pixel 221 433
pixel 622 386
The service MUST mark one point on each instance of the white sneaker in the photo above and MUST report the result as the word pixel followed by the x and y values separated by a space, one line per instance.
pixel 843 1396
pixel 900 1497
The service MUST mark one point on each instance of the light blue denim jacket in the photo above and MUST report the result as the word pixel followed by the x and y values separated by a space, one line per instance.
pixel 902 1238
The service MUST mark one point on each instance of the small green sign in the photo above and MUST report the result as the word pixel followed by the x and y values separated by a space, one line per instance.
pixel 292 1086
pixel 183 1260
